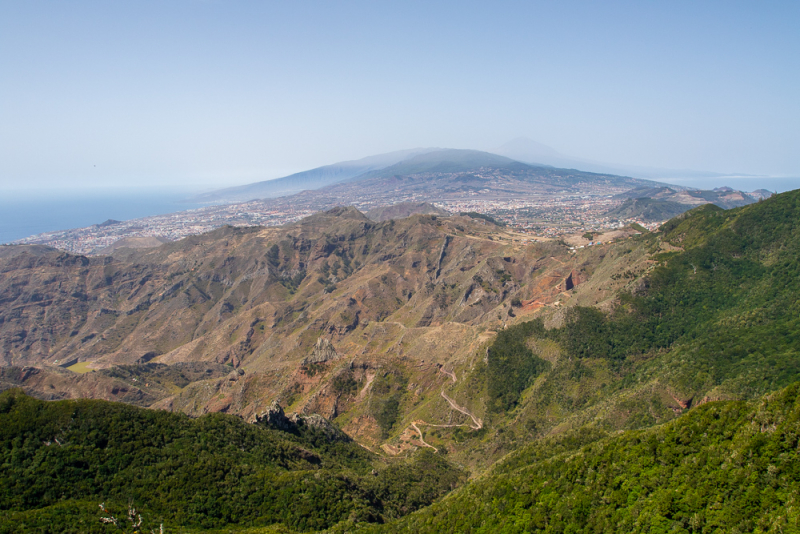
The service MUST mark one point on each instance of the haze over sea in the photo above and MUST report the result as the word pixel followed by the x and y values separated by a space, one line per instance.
pixel 27 212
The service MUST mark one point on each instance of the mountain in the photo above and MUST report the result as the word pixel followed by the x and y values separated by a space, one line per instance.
pixel 724 197
pixel 311 179
pixel 648 210
pixel 649 378
pixel 454 162
pixel 692 337
pixel 463 175
pixel 260 299
pixel 761 194
pixel 547 200
pixel 440 162
pixel 406 297
pixel 524 168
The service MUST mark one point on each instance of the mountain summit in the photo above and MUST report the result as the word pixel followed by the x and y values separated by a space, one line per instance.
pixel 413 162
pixel 446 161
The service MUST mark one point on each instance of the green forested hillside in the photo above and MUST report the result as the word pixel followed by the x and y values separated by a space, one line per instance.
pixel 723 467
pixel 717 320
pixel 60 460
pixel 720 319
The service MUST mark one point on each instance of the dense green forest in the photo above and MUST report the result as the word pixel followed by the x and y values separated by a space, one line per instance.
pixel 60 460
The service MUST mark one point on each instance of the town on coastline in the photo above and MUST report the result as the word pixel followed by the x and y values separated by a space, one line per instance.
pixel 544 217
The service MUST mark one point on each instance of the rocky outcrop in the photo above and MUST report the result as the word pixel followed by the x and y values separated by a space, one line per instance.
pixel 323 352
pixel 320 424
pixel 274 417
pixel 573 279
pixel 441 257
pixel 234 375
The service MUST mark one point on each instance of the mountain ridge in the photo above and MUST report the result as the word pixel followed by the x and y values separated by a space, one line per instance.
pixel 310 179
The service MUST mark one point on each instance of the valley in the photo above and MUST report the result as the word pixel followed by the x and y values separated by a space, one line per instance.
pixel 453 335
pixel 377 268
pixel 286 311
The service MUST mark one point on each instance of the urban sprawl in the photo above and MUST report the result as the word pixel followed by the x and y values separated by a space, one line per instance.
pixel 540 217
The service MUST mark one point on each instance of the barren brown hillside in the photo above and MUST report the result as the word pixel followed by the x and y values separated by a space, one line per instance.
pixel 338 315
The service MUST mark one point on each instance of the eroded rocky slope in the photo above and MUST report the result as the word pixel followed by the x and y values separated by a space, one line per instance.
pixel 337 315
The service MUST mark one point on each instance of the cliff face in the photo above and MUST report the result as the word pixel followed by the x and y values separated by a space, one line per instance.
pixel 573 279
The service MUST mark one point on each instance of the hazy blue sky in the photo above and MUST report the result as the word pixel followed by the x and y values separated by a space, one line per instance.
pixel 227 92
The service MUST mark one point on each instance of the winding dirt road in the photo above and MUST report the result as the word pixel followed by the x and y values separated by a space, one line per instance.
pixel 477 424
pixel 421 439
pixel 448 373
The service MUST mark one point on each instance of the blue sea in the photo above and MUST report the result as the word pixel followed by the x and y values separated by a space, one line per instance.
pixel 25 213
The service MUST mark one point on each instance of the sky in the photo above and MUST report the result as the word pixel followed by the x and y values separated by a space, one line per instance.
pixel 206 94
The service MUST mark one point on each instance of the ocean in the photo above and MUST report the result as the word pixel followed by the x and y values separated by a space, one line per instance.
pixel 25 213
